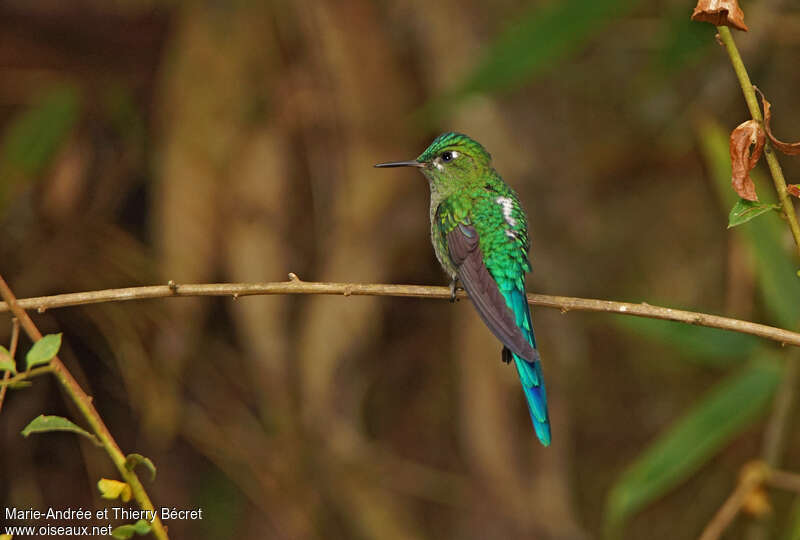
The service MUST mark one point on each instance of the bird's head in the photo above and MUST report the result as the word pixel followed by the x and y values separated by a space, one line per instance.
pixel 452 161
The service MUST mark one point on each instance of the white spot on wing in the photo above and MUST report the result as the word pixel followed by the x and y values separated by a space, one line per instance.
pixel 508 207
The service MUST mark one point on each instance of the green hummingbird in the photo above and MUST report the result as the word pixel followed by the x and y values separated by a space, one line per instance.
pixel 479 232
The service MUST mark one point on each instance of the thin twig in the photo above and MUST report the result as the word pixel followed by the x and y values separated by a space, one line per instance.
pixel 784 480
pixel 769 153
pixel 726 513
pixel 84 404
pixel 752 476
pixel 26 375
pixel 12 350
pixel 296 286
pixel 775 434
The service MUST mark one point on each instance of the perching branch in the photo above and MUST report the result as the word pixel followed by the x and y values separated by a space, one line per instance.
pixel 297 286
pixel 87 409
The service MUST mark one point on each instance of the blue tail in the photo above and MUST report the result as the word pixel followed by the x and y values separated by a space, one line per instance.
pixel 530 373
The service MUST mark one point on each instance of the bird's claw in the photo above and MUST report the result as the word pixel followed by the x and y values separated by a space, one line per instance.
pixel 453 291
pixel 505 355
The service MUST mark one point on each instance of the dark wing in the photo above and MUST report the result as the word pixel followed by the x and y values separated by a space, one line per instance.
pixel 464 246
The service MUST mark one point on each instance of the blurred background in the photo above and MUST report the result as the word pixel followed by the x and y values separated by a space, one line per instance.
pixel 147 141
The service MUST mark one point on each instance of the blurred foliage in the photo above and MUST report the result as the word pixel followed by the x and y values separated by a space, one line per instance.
pixel 728 409
pixel 143 142
pixel 31 139
pixel 733 404
pixel 793 530
pixel 533 44
pixel 538 40
pixel 699 343
pixel 685 42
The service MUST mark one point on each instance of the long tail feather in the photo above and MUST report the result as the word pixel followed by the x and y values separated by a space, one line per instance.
pixel 530 373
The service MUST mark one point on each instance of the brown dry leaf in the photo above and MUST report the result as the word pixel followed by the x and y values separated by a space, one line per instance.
pixel 790 149
pixel 745 135
pixel 720 13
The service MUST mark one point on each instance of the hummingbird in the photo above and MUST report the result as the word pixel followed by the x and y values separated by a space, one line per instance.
pixel 479 232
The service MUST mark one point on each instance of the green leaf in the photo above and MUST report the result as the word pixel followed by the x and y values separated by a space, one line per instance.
pixel 44 424
pixel 540 38
pixel 709 345
pixel 123 532
pixel 141 528
pixel 744 210
pixel 683 42
pixel 43 350
pixel 775 267
pixel 722 414
pixel 34 136
pixel 6 362
pixel 114 489
pixel 132 460
pixel 536 42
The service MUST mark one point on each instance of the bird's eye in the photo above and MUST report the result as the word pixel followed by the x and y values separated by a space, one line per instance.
pixel 447 156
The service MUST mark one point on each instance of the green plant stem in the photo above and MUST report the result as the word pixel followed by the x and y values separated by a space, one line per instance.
pixel 755 111
pixel 85 406
pixel 26 375
pixel 775 436
pixel 12 351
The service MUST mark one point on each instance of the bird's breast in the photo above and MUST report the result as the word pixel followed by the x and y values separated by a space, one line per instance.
pixel 439 242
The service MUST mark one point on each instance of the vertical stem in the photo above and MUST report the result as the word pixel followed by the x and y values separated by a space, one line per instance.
pixel 84 404
pixel 12 350
pixel 775 435
pixel 755 111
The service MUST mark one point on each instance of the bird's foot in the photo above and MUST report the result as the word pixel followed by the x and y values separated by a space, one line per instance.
pixel 454 288
pixel 505 355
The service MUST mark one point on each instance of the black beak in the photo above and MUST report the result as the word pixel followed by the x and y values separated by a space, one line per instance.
pixel 411 163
